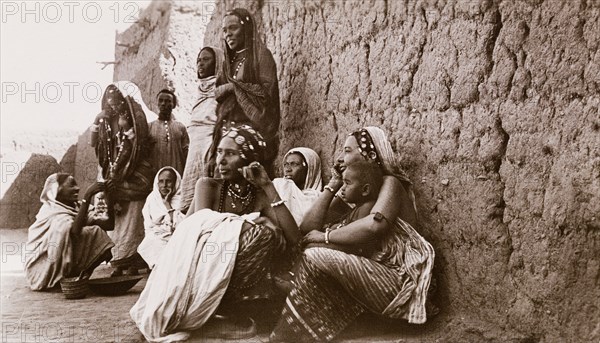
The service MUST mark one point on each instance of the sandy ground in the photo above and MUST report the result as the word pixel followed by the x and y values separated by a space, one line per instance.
pixel 29 316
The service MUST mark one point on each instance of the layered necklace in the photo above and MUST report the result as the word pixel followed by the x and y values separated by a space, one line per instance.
pixel 235 193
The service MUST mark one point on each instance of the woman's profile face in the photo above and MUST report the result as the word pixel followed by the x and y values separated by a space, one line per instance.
pixel 68 191
pixel 233 33
pixel 206 64
pixel 295 168
pixel 350 153
pixel 229 159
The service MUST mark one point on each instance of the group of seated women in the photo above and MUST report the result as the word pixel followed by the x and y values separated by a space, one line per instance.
pixel 227 233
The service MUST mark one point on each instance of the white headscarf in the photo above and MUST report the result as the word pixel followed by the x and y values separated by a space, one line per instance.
pixel 313 162
pixel 154 205
pixel 48 198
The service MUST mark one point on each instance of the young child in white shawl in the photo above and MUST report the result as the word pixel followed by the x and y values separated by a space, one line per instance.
pixel 161 214
pixel 301 183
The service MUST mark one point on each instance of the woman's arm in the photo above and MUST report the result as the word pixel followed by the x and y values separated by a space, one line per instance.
pixel 370 227
pixel 272 206
pixel 205 195
pixel 82 215
pixel 327 208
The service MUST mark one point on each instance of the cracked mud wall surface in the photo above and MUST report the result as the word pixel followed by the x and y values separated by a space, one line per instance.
pixel 493 108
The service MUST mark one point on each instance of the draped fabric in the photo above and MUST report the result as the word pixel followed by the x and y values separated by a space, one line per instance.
pixel 299 201
pixel 135 178
pixel 200 130
pixel 184 290
pixel 332 288
pixel 391 165
pixel 52 252
pixel 255 97
pixel 158 225
pixel 135 182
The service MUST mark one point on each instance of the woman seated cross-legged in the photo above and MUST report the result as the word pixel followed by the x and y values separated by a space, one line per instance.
pixel 66 239
pixel 336 278
pixel 220 255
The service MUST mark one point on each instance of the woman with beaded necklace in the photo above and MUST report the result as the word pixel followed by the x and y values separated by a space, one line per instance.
pixel 125 168
pixel 220 256
pixel 247 91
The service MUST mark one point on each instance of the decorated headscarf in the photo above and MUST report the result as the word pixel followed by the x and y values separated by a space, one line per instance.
pixel 374 145
pixel 128 88
pixel 313 175
pixel 251 142
pixel 387 158
pixel 107 139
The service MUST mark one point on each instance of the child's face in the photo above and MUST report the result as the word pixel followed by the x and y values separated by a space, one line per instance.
pixel 352 189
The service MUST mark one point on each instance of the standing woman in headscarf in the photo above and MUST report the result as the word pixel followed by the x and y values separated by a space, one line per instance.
pixel 128 191
pixel 202 123
pixel 248 90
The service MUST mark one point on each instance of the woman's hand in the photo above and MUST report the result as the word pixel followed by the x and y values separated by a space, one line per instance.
pixel 262 220
pixel 256 174
pixel 313 237
pixel 93 189
pixel 336 177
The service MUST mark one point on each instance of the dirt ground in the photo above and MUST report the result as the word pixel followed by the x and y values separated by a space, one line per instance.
pixel 29 316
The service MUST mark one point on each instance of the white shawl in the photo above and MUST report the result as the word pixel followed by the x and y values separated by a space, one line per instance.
pixel 185 289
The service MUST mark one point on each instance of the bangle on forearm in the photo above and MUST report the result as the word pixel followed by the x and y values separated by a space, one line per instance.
pixel 277 203
pixel 94 128
pixel 327 231
pixel 329 188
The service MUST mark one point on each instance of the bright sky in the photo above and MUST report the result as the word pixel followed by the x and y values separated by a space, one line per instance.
pixel 49 49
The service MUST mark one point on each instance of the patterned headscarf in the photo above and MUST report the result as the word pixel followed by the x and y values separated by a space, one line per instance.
pixel 251 142
pixel 366 145
pixel 313 175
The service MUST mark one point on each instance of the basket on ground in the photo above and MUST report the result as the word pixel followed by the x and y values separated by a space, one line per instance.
pixel 74 287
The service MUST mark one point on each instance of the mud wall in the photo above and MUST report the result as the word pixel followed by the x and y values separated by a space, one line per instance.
pixel 493 108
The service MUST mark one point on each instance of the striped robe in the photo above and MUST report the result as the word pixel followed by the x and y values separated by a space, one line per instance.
pixel 332 288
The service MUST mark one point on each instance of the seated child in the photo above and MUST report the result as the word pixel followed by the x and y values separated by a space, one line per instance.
pixel 361 184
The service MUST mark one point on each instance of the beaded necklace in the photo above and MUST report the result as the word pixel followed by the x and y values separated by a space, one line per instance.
pixel 237 68
pixel 247 200
pixel 120 140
